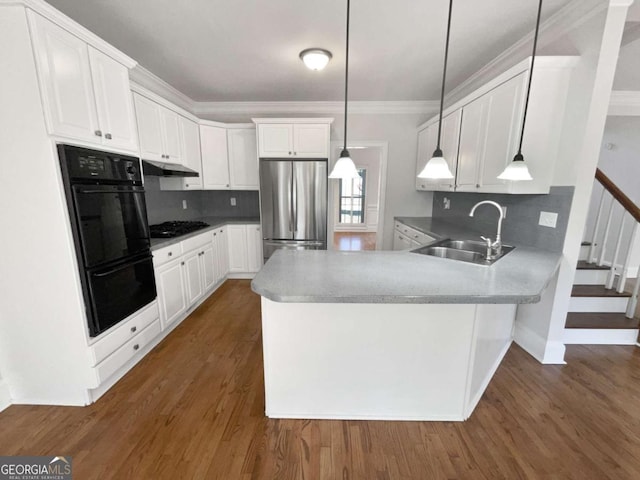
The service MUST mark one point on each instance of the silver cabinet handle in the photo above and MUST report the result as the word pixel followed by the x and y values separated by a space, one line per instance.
pixel 170 253
pixel 186 185
pixel 133 329
pixel 136 346
pixel 214 234
pixel 107 136
pixel 227 184
pixel 289 153
pixel 98 133
pixel 477 185
pixel 181 263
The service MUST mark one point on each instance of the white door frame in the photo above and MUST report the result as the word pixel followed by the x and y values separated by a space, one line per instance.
pixel 336 148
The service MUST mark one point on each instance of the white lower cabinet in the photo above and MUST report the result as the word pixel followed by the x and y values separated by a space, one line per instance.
pixel 208 262
pixel 193 276
pixel 406 237
pixel 221 253
pixel 172 295
pixel 245 248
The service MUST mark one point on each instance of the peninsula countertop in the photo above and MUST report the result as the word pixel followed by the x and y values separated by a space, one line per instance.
pixel 405 277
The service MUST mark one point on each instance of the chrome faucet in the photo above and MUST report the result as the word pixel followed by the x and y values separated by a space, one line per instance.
pixel 494 249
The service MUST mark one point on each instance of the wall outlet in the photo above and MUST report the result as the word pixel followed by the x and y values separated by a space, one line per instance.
pixel 233 201
pixel 184 204
pixel 548 219
pixel 446 203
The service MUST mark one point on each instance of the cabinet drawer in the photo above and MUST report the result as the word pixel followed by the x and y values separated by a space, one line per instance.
pixel 196 242
pixel 122 333
pixel 166 254
pixel 419 237
pixel 129 350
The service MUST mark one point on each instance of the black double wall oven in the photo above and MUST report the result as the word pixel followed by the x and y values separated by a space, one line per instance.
pixel 108 217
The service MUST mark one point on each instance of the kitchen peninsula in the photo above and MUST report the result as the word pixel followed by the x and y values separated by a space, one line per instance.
pixel 389 335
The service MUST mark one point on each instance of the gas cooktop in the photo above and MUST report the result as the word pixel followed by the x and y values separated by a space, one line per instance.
pixel 175 229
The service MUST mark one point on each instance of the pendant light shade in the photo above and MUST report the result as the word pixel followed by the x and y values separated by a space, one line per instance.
pixel 517 170
pixel 315 58
pixel 344 167
pixel 437 167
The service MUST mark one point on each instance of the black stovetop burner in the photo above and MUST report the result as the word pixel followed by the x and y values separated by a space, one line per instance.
pixel 175 229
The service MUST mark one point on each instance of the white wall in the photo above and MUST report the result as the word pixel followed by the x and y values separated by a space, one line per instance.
pixel 399 130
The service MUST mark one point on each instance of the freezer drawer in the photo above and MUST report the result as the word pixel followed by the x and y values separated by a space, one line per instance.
pixel 270 246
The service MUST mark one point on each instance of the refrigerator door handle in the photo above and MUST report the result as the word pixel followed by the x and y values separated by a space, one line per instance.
pixel 295 203
pixel 290 197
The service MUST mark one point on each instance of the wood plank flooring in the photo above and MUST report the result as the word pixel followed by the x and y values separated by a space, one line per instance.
pixel 194 409
pixel 354 241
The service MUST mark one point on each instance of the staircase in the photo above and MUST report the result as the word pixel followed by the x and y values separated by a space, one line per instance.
pixel 601 310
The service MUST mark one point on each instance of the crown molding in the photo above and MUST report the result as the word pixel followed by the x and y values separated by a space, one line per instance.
pixel 155 84
pixel 56 16
pixel 566 19
pixel 624 103
pixel 333 108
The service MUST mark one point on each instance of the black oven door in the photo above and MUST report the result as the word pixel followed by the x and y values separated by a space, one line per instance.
pixel 112 222
pixel 118 291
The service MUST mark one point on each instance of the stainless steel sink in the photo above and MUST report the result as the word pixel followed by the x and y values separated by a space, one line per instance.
pixel 468 251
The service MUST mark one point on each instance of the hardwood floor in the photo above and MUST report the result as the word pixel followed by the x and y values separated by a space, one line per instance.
pixel 354 241
pixel 194 409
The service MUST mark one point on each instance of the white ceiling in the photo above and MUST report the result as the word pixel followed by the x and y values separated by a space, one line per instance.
pixel 247 50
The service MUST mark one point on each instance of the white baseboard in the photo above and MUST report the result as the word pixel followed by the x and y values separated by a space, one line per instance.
pixel 530 341
pixel 597 336
pixel 473 403
pixel 554 354
pixel 241 276
pixel 5 396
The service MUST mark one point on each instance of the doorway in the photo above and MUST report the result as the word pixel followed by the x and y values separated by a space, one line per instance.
pixel 356 207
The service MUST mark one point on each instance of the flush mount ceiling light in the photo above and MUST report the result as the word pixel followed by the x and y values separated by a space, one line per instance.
pixel 344 167
pixel 315 58
pixel 517 170
pixel 438 167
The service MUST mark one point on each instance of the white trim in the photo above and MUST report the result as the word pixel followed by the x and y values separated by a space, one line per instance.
pixel 328 107
pixel 241 276
pixel 567 18
pixel 325 120
pixel 598 304
pixel 350 416
pixel 530 341
pixel 624 103
pixel 5 396
pixel 554 353
pixel 144 78
pixel 600 336
pixel 151 95
pixel 56 16
pixel 336 146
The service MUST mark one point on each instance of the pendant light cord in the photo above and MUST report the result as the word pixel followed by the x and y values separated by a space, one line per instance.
pixel 346 78
pixel 444 72
pixel 533 58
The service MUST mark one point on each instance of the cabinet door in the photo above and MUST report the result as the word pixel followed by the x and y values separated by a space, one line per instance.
pixel 170 135
pixel 172 298
pixel 65 77
pixel 275 140
pixel 243 158
pixel 311 140
pixel 254 248
pixel 427 139
pixel 504 116
pixel 449 144
pixel 215 164
pixel 400 241
pixel 472 136
pixel 190 140
pixel 149 130
pixel 237 239
pixel 223 252
pixel 193 277
pixel 207 259
pixel 113 100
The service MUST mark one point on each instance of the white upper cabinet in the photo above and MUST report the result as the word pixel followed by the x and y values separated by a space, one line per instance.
pixel 215 161
pixel 481 132
pixel 158 130
pixel 427 140
pixel 276 140
pixel 113 100
pixel 86 93
pixel 243 159
pixel 191 154
pixel 305 139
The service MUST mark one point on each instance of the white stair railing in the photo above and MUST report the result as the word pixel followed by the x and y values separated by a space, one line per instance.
pixel 620 206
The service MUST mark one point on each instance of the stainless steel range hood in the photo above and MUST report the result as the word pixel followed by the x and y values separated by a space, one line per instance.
pixel 160 169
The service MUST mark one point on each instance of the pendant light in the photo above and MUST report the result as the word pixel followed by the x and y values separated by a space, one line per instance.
pixel 438 167
pixel 345 168
pixel 517 170
pixel 315 58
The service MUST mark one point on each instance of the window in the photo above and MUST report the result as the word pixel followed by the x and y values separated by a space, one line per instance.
pixel 352 199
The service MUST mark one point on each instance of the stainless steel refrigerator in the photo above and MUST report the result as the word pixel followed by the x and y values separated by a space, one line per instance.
pixel 293 204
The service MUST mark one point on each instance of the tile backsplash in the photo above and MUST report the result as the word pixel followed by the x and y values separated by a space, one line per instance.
pixel 164 205
pixel 520 227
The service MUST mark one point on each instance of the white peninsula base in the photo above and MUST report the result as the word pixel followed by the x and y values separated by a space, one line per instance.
pixel 381 361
